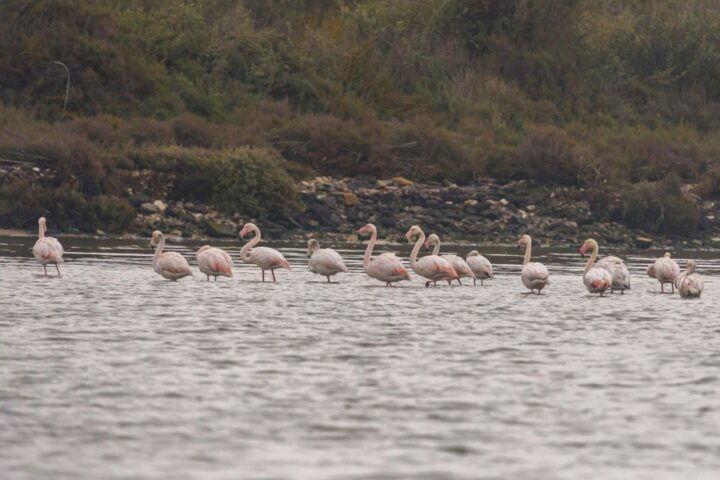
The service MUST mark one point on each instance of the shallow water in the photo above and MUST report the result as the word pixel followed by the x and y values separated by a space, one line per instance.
pixel 113 372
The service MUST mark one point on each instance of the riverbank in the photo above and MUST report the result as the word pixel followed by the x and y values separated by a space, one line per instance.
pixel 484 212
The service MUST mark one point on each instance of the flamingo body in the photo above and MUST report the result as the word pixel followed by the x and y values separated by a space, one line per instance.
pixel 432 267
pixel 481 266
pixel 264 257
pixel 324 261
pixel 690 284
pixel 534 275
pixel 618 271
pixel 386 267
pixel 214 262
pixel 597 280
pixel 666 270
pixel 170 265
pixel 459 265
pixel 47 250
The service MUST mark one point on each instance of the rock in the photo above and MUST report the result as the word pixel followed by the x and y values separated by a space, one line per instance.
pixel 504 202
pixel 330 201
pixel 350 199
pixel 100 232
pixel 401 181
pixel 149 207
pixel 643 242
pixel 471 202
pixel 530 208
pixel 138 199
pixel 160 205
pixel 215 229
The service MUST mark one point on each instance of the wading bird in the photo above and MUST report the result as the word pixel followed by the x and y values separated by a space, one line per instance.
pixel 214 262
pixel 47 249
pixel 666 270
pixel 264 257
pixel 462 269
pixel 432 267
pixel 324 261
pixel 596 279
pixel 534 274
pixel 170 265
pixel 386 267
pixel 481 266
pixel 618 271
pixel 689 283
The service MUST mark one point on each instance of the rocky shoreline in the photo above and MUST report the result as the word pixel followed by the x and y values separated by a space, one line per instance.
pixel 485 212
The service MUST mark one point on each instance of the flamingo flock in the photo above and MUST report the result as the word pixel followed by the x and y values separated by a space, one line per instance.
pixel 599 276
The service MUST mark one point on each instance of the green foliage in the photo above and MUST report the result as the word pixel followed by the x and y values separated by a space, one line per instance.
pixel 660 207
pixel 242 180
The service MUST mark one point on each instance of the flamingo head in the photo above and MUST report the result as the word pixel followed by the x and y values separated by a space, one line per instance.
pixel 414 231
pixel 312 246
pixel 203 248
pixel 367 229
pixel 524 241
pixel 667 255
pixel 155 239
pixel 690 266
pixel 474 253
pixel 247 228
pixel 431 240
pixel 588 245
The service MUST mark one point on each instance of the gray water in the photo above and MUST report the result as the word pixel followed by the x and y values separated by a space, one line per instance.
pixel 113 372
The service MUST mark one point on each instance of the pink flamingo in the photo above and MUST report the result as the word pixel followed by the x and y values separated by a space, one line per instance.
pixel 481 266
pixel 214 261
pixel 534 275
pixel 47 249
pixel 386 267
pixel 461 267
pixel 618 271
pixel 324 261
pixel 264 257
pixel 432 267
pixel 666 270
pixel 596 279
pixel 170 265
pixel 689 283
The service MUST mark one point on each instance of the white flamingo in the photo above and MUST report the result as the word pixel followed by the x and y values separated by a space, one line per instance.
pixel 596 279
pixel 214 262
pixel 47 249
pixel 689 283
pixel 432 267
pixel 324 261
pixel 481 266
pixel 264 257
pixel 170 265
pixel 534 274
pixel 666 270
pixel 462 269
pixel 386 267
pixel 618 271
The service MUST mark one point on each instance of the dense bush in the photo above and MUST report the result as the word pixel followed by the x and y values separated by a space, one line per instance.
pixel 660 207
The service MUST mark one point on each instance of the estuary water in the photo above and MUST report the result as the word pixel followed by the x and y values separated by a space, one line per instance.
pixel 113 372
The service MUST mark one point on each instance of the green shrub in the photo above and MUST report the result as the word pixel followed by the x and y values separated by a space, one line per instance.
pixel 660 207
pixel 115 215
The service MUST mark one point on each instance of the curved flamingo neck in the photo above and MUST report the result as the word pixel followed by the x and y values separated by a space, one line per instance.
pixel 245 252
pixel 528 252
pixel 436 250
pixel 159 249
pixel 416 249
pixel 591 260
pixel 368 251
pixel 41 231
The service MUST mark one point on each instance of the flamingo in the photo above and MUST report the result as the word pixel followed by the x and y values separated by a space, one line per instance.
pixel 666 270
pixel 461 267
pixel 432 267
pixel 481 266
pixel 324 261
pixel 170 265
pixel 534 275
pixel 385 267
pixel 264 257
pixel 47 249
pixel 618 271
pixel 596 279
pixel 689 283
pixel 214 261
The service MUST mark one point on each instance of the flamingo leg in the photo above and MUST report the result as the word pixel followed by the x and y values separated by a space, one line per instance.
pixel 482 282
pixel 427 284
pixel 58 270
pixel 263 275
pixel 45 269
pixel 208 277
pixel 672 287
pixel 475 281
pixel 328 277
pixel 216 278
pixel 272 270
pixel 662 288
pixel 459 282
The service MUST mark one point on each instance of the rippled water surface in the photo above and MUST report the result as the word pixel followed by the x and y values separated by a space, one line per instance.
pixel 113 372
